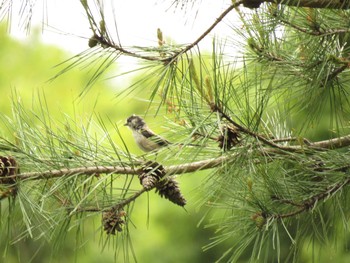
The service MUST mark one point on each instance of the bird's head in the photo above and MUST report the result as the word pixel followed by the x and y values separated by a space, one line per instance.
pixel 135 122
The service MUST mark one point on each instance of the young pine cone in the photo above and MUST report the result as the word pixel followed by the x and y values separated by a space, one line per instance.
pixel 112 220
pixel 150 173
pixel 169 189
pixel 230 137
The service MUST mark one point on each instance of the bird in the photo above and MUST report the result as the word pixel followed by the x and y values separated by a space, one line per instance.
pixel 144 137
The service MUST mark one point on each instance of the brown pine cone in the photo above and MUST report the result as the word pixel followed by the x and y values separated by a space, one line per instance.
pixel 8 167
pixel 112 220
pixel 169 189
pixel 150 173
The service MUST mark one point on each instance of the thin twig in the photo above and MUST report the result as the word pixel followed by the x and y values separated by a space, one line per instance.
pixel 217 21
pixel 292 139
pixel 108 43
pixel 312 32
pixel 313 200
pixel 119 205
pixel 286 201
pixel 130 199
pixel 335 73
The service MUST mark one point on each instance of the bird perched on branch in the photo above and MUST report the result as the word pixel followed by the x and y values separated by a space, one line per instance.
pixel 145 138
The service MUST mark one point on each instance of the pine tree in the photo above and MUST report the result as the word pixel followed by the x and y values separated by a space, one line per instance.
pixel 270 123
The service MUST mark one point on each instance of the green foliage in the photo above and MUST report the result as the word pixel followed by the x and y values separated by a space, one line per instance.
pixel 273 192
pixel 300 47
pixel 48 125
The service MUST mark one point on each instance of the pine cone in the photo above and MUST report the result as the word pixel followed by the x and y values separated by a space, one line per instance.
pixel 150 173
pixel 112 220
pixel 252 4
pixel 169 189
pixel 230 137
pixel 8 167
pixel 93 41
pixel 260 219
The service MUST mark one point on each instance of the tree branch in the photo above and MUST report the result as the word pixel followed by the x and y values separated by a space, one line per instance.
pixel 107 42
pixel 334 143
pixel 170 170
pixel 100 36
pixel 336 4
pixel 217 21
pixel 182 168
pixel 117 206
pixel 313 200
pixel 335 73
pixel 77 171
pixel 317 33
pixel 249 132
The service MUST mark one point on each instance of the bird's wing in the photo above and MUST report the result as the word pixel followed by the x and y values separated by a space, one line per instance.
pixel 154 137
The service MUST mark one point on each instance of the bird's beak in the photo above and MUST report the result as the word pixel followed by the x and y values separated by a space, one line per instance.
pixel 126 124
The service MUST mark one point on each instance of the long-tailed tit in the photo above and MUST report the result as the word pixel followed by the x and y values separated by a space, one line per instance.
pixel 145 138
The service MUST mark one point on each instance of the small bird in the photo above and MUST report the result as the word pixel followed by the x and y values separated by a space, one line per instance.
pixel 145 138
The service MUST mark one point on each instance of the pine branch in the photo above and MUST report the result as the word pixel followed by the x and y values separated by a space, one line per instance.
pixel 335 143
pixel 106 42
pixel 151 176
pixel 118 206
pixel 130 199
pixel 253 134
pixel 335 73
pixel 336 4
pixel 77 171
pixel 217 21
pixel 292 139
pixel 313 200
pixel 317 32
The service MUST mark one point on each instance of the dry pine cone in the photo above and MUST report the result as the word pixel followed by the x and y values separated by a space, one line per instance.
pixel 150 173
pixel 8 167
pixel 150 176
pixel 112 220
pixel 169 189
